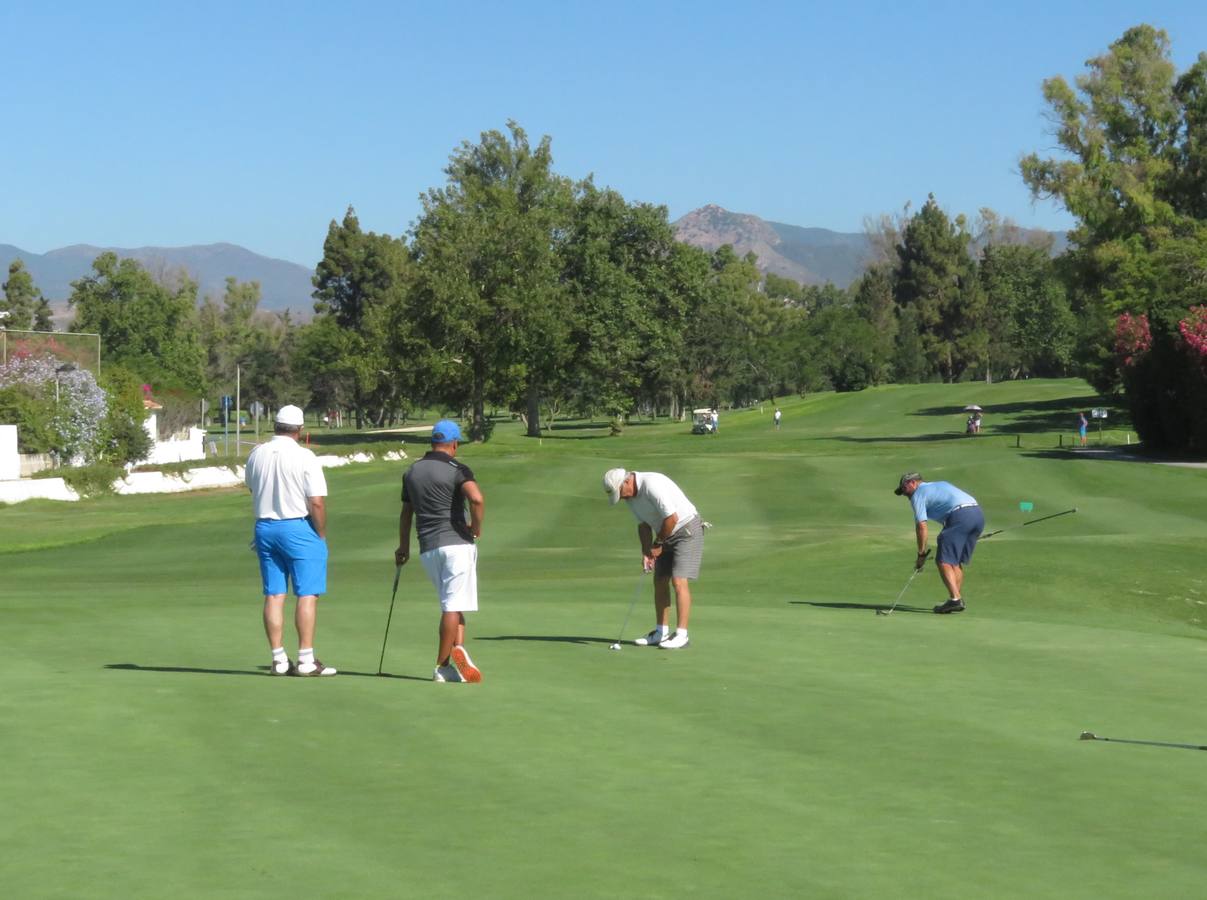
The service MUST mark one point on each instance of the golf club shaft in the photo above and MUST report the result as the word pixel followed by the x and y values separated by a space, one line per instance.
pixel 1148 743
pixel 1032 522
pixel 632 603
pixel 389 616
pixel 908 582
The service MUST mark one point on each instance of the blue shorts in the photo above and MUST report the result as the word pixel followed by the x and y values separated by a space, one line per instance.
pixel 958 538
pixel 291 549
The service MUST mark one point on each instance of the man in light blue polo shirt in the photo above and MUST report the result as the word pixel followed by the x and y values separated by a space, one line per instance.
pixel 962 521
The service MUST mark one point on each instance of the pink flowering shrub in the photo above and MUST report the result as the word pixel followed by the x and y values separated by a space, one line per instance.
pixel 1133 338
pixel 1194 332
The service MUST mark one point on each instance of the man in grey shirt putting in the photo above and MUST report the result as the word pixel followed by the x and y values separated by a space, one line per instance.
pixel 672 544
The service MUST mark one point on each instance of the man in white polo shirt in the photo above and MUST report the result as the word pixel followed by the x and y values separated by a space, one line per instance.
pixel 672 544
pixel 289 496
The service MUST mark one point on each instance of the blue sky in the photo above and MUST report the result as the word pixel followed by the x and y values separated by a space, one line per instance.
pixel 128 124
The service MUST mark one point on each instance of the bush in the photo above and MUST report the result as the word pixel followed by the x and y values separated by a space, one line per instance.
pixel 123 438
pixel 91 481
pixel 20 405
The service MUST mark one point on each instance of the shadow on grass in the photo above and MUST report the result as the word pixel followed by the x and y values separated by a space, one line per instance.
pixel 901 439
pixel 1043 415
pixel 1114 454
pixel 258 671
pixel 554 638
pixel 321 439
pixel 863 606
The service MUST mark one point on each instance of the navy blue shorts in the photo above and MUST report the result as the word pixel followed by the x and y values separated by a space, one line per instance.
pixel 958 538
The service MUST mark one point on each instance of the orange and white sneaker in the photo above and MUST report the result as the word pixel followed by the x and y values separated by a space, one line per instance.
pixel 465 666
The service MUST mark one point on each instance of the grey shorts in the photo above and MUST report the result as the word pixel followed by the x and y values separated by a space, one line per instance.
pixel 682 552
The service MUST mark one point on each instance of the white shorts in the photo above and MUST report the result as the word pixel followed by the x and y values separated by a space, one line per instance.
pixel 454 572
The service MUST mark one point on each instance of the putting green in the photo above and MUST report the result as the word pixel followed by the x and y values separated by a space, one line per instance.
pixel 801 747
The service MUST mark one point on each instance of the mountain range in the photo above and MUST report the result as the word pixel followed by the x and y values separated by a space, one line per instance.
pixel 806 255
pixel 283 285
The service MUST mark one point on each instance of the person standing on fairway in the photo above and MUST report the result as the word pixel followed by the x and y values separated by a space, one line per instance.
pixel 672 544
pixel 289 497
pixel 962 521
pixel 435 490
pixel 778 416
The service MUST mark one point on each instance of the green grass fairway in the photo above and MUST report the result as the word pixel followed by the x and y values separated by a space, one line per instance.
pixel 802 747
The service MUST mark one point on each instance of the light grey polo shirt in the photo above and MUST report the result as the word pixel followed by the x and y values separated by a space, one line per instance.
pixel 656 498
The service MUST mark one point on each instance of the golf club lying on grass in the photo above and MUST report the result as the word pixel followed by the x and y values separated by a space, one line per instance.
pixel 1032 522
pixel 397 573
pixel 632 603
pixel 917 569
pixel 1090 736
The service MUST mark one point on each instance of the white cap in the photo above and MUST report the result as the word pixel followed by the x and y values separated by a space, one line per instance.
pixel 290 415
pixel 612 480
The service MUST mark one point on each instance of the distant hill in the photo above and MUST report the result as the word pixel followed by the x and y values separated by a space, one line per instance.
pixel 284 285
pixel 806 255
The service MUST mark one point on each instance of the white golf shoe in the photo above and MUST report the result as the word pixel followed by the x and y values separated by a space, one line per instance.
pixel 446 673
pixel 676 641
pixel 653 639
pixel 316 669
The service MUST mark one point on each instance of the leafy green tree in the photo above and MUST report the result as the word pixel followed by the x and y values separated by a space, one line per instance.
pixel 21 298
pixel 143 325
pixel 615 270
pixel 872 297
pixel 122 438
pixel 488 293
pixel 910 363
pixel 1135 135
pixel 937 280
pixel 1032 326
pixel 236 334
pixel 361 286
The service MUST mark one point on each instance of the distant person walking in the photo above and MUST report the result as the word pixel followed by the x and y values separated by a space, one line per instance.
pixel 289 498
pixel 962 521
pixel 778 416
pixel 435 490
pixel 1082 425
pixel 716 421
pixel 672 544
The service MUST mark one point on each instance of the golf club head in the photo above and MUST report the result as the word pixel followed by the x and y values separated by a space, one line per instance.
pixel 1088 736
pixel 614 647
pixel 882 612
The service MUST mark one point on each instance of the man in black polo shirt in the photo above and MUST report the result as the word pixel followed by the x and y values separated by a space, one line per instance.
pixel 435 490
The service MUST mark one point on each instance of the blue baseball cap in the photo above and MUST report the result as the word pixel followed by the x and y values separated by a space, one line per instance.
pixel 445 432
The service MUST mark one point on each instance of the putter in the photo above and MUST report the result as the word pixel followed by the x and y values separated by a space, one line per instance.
pixel 632 603
pixel 394 594
pixel 1032 522
pixel 1090 736
pixel 917 569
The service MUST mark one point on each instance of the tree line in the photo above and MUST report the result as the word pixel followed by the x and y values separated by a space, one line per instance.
pixel 522 289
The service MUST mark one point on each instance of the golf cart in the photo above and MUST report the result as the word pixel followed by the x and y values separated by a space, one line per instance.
pixel 702 421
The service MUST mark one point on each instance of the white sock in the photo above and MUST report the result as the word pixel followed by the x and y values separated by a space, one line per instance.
pixel 663 630
pixel 306 657
pixel 279 655
pixel 680 632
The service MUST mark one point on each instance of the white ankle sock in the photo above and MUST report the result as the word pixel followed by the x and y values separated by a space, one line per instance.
pixel 681 632
pixel 663 630
pixel 279 654
pixel 306 657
